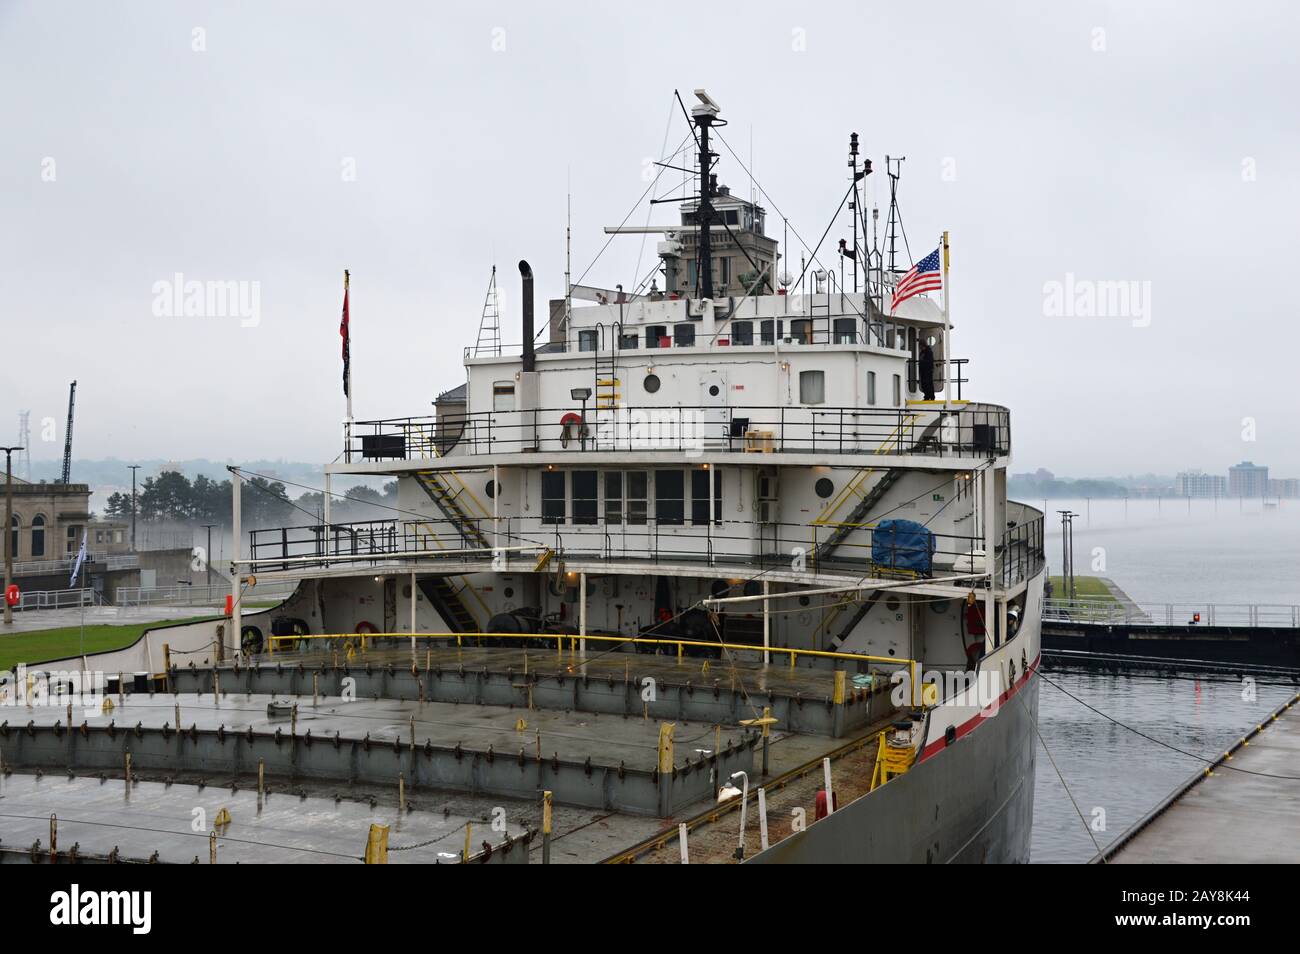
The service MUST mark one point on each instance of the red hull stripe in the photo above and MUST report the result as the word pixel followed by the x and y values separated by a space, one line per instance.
pixel 938 745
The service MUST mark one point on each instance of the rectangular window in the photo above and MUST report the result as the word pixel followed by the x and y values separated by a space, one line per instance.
pixel 871 387
pixel 801 330
pixel 898 390
pixel 614 498
pixel 627 342
pixel 845 330
pixel 552 496
pixel 584 496
pixel 653 333
pixel 587 339
pixel 670 507
pixel 742 332
pixel 684 336
pixel 812 387
pixel 503 395
pixel 637 484
pixel 700 496
pixel 769 330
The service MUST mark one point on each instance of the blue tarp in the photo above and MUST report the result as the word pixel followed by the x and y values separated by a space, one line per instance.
pixel 902 545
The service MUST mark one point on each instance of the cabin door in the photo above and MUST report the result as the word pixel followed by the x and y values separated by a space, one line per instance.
pixel 715 420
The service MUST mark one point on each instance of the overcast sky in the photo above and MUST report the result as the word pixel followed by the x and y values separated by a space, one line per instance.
pixel 279 143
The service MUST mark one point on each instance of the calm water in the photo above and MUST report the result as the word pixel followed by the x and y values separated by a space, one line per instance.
pixel 1235 552
pixel 1227 551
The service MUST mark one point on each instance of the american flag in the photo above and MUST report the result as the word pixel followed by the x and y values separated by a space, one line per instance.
pixel 924 276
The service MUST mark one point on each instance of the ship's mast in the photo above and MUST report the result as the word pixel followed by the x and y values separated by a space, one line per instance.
pixel 702 116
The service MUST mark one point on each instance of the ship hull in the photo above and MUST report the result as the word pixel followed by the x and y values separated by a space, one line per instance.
pixel 972 801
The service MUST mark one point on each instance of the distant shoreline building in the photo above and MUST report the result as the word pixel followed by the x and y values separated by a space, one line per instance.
pixel 1247 480
pixel 1194 483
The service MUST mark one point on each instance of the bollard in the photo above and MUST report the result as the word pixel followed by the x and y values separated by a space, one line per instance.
pixel 377 845
pixel 547 798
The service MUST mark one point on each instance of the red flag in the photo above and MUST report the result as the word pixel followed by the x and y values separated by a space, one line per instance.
pixel 347 339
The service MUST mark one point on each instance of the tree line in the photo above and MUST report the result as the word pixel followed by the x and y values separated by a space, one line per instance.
pixel 173 497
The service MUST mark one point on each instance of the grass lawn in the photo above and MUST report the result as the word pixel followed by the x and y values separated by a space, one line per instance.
pixel 1087 586
pixel 45 644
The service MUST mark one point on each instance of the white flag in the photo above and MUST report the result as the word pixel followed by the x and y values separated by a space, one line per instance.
pixel 81 558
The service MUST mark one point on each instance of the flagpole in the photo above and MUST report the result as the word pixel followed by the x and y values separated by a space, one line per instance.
pixel 347 370
pixel 947 356
pixel 345 295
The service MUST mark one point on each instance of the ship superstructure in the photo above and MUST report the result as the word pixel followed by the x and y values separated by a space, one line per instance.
pixel 731 485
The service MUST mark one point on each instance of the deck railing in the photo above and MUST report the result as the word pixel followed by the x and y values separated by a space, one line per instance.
pixel 728 544
pixel 967 431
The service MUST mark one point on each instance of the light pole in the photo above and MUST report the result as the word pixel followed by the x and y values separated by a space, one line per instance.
pixel 9 530
pixel 134 468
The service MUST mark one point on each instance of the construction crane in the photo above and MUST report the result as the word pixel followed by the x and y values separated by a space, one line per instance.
pixel 67 440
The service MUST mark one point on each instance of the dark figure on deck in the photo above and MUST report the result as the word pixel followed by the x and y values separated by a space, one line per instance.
pixel 927 371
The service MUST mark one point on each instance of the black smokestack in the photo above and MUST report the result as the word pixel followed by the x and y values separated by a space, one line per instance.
pixel 526 272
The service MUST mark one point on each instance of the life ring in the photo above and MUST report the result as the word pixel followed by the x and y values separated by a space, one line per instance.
pixel 572 420
pixel 366 628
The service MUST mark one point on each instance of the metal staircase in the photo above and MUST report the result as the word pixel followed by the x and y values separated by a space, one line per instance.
pixel 866 502
pixel 445 598
pixel 449 501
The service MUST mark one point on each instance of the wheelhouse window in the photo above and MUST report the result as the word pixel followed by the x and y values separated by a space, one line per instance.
pixel 742 332
pixel 845 330
pixel 584 497
pixel 552 496
pixel 769 330
pixel 670 487
pixel 812 387
pixel 801 330
pixel 503 395
pixel 685 335
pixel 627 342
pixel 654 334
pixel 700 496
pixel 587 339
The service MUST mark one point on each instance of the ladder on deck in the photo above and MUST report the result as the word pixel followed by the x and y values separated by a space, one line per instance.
pixel 445 598
pixel 449 501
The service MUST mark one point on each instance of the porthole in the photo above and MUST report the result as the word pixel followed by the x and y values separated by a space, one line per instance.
pixel 824 487
pixel 491 488
pixel 892 604
pixel 651 383
pixel 508 592
pixel 713 390
pixel 804 601
pixel 939 606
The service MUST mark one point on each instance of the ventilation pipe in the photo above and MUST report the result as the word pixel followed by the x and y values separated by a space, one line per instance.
pixel 526 272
